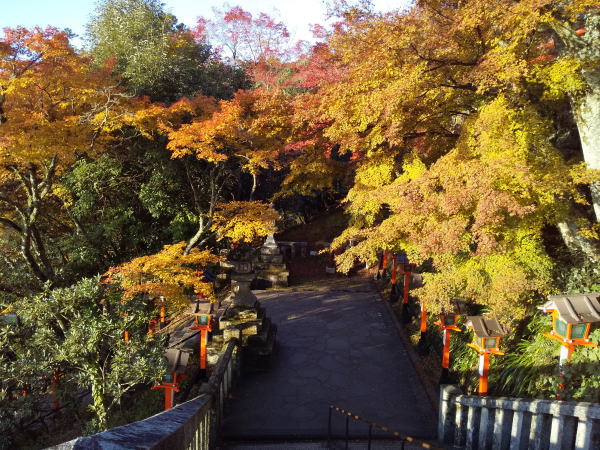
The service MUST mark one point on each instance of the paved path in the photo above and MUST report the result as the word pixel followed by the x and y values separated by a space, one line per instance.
pixel 337 345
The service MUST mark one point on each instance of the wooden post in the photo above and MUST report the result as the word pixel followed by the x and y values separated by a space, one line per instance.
pixel 126 335
pixel 566 351
pixel 394 290
pixel 55 405
pixel 405 316
pixel 203 341
pixel 446 353
pixel 162 318
pixel 484 367
pixel 406 286
pixel 423 318
pixel 170 389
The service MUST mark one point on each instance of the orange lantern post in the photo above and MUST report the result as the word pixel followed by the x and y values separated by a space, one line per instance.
pixel 407 270
pixel 394 291
pixel 487 333
pixel 170 383
pixel 53 385
pixel 162 318
pixel 572 318
pixel 385 263
pixel 447 324
pixel 204 324
pixel 177 361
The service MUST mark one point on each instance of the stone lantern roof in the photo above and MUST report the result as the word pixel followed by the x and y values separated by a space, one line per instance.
pixel 575 308
pixel 485 326
pixel 177 360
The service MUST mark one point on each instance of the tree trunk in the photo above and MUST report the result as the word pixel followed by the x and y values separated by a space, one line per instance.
pixel 254 186
pixel 99 406
pixel 587 116
pixel 577 243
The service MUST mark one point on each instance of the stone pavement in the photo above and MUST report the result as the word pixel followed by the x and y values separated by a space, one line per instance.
pixel 337 345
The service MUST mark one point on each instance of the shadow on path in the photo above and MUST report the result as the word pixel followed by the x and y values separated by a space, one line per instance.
pixel 337 346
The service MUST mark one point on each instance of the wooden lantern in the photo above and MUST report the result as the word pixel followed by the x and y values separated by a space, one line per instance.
pixel 177 361
pixel 572 319
pixel 447 323
pixel 203 316
pixel 487 334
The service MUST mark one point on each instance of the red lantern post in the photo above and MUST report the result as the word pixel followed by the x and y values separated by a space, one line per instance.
pixel 394 290
pixel 486 341
pixel 170 383
pixel 204 324
pixel 177 360
pixel 447 324
pixel 572 318
pixel 407 270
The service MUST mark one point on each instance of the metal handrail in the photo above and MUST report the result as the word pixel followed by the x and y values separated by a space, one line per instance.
pixel 349 415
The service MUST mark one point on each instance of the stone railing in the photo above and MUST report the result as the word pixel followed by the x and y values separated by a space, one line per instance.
pixel 191 425
pixel 475 422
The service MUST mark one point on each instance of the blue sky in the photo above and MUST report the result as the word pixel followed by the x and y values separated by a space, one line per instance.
pixel 74 14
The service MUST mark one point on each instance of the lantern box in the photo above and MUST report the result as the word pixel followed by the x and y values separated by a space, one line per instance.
pixel 168 377
pixel 448 321
pixel 487 334
pixel 572 316
pixel 202 320
pixel 408 267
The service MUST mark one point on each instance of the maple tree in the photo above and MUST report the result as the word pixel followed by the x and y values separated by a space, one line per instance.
pixel 171 274
pixel 244 37
pixel 450 122
pixel 52 107
pixel 244 221
pixel 247 133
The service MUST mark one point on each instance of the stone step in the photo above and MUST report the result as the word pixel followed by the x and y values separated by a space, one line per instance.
pixel 312 445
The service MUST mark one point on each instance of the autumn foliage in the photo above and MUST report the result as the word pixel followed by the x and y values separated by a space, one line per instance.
pixel 169 274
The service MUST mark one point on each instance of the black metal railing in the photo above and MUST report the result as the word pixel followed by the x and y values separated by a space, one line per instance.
pixel 402 439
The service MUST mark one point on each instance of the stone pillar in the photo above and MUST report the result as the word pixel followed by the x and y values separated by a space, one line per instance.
pixel 447 413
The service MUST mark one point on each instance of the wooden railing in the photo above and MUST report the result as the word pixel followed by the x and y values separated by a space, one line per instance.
pixel 474 422
pixel 191 425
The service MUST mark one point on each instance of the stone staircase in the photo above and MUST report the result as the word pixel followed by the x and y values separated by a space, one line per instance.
pixel 314 445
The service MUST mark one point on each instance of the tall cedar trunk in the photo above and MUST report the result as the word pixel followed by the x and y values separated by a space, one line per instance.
pixel 576 242
pixel 587 116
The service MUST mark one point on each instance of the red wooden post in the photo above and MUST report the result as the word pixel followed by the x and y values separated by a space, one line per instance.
pixel 170 389
pixel 484 367
pixel 126 335
pixel 203 323
pixel 423 318
pixel 447 324
pixel 162 317
pixel 53 384
pixel 406 286
pixel 446 352
pixel 394 290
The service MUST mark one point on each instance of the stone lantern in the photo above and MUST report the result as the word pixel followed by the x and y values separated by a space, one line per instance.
pixel 487 333
pixel 572 319
pixel 242 275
